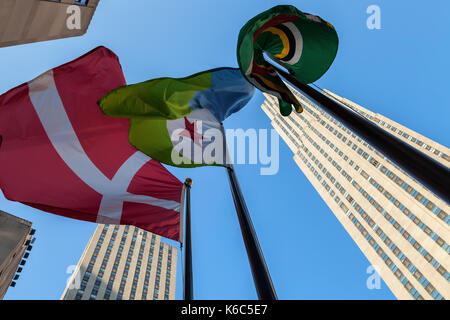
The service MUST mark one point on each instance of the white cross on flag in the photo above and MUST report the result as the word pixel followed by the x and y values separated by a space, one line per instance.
pixel 60 154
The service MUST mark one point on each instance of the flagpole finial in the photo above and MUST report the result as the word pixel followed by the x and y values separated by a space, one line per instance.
pixel 188 182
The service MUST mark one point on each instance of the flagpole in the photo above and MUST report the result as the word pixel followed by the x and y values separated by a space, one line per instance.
pixel 188 290
pixel 261 276
pixel 426 170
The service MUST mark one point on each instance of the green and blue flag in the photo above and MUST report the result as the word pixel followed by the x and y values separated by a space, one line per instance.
pixel 177 121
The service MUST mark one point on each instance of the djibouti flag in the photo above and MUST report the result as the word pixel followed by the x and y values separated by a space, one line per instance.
pixel 178 121
pixel 191 141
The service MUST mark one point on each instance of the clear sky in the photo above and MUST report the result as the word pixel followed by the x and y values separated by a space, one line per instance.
pixel 400 71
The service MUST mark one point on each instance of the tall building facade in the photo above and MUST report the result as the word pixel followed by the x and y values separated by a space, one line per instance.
pixel 26 21
pixel 16 235
pixel 400 226
pixel 124 263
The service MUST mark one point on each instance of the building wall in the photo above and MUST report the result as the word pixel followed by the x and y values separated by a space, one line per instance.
pixel 400 226
pixel 26 21
pixel 124 263
pixel 14 234
pixel 429 147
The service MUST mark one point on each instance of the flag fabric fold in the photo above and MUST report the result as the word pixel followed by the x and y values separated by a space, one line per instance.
pixel 60 154
pixel 222 91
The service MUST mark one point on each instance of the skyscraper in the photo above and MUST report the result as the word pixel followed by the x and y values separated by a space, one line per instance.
pixel 400 226
pixel 124 263
pixel 15 238
pixel 26 21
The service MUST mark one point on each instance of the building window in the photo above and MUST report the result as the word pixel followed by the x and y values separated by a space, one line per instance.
pixel 81 2
pixel 79 295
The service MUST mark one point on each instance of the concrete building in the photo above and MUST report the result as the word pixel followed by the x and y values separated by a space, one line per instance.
pixel 15 238
pixel 400 226
pixel 26 21
pixel 124 263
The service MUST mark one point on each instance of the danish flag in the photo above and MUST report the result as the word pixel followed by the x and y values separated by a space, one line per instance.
pixel 60 154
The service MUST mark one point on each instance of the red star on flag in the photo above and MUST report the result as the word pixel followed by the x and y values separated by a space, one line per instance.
pixel 190 131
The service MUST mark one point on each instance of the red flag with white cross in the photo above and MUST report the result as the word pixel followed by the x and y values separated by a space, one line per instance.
pixel 60 154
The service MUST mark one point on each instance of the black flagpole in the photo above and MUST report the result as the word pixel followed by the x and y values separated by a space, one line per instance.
pixel 188 292
pixel 260 272
pixel 426 170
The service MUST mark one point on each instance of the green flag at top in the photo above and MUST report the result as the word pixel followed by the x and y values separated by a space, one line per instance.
pixel 304 44
pixel 178 121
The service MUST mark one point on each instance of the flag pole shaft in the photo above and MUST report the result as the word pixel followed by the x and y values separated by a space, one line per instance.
pixel 426 170
pixel 188 290
pixel 260 272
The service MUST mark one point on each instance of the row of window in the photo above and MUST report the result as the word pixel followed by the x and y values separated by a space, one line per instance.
pixel 379 208
pixel 416 273
pixel 78 2
pixel 294 141
pixel 108 291
pixel 147 272
pixel 374 162
pixel 394 129
pixel 88 272
pixel 409 287
pixel 350 199
pixel 306 101
pixel 433 208
pixel 419 197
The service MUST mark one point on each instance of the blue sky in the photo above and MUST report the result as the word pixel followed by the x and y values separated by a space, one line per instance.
pixel 400 71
